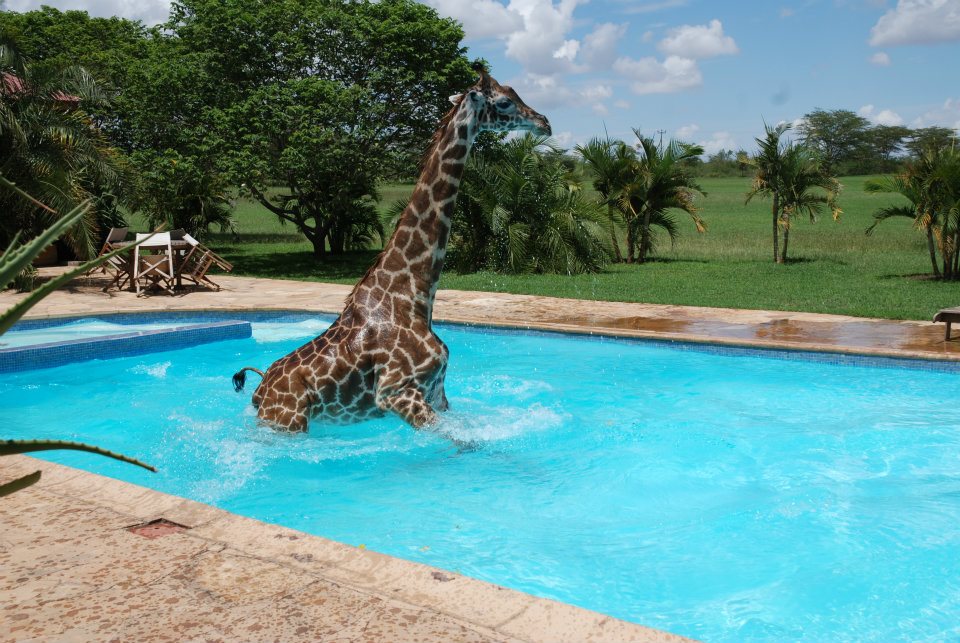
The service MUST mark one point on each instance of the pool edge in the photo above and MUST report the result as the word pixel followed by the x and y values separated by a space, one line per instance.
pixel 587 329
pixel 479 606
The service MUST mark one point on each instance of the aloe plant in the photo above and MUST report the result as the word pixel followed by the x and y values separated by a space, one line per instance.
pixel 12 261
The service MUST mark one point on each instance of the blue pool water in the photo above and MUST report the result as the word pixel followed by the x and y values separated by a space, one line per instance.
pixel 721 496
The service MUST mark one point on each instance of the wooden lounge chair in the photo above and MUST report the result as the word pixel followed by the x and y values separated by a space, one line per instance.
pixel 115 236
pixel 119 268
pixel 948 316
pixel 199 260
pixel 153 262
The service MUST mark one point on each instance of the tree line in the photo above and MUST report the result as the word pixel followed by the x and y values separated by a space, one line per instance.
pixel 307 106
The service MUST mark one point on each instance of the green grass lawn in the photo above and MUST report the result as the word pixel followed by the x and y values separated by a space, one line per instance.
pixel 835 267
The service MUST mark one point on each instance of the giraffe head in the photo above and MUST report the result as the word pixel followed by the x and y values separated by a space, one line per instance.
pixel 498 108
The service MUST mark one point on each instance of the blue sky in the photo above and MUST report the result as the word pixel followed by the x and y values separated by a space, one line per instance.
pixel 706 71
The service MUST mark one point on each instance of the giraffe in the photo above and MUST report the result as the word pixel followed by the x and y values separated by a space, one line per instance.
pixel 381 354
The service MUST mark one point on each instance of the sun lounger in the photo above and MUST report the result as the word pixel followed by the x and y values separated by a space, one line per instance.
pixel 948 315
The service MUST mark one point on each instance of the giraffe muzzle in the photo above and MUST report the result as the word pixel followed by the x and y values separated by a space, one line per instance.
pixel 542 125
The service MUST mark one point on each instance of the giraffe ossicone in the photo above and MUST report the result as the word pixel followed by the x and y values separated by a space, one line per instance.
pixel 381 354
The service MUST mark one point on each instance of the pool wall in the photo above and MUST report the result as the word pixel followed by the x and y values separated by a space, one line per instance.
pixel 844 357
pixel 53 354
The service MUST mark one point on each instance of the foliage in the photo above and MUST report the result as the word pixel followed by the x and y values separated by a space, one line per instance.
pixel 658 184
pixel 837 135
pixel 795 177
pixel 521 210
pixel 12 262
pixel 931 184
pixel 833 269
pixel 323 98
pixel 641 185
pixel 50 148
pixel 175 191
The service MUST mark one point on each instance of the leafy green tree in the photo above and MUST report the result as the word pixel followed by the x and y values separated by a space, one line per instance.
pixel 611 163
pixel 521 209
pixel 795 177
pixel 883 148
pixel 175 192
pixel 659 183
pixel 838 135
pixel 308 105
pixel 922 139
pixel 931 184
pixel 50 147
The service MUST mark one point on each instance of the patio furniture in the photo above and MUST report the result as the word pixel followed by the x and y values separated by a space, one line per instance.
pixel 948 316
pixel 153 262
pixel 119 268
pixel 198 261
pixel 115 236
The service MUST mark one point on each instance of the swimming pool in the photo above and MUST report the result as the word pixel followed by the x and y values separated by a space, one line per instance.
pixel 49 331
pixel 719 494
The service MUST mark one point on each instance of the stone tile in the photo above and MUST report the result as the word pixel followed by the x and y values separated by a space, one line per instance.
pixel 559 623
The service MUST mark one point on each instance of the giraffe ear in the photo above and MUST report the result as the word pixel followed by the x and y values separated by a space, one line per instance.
pixel 455 98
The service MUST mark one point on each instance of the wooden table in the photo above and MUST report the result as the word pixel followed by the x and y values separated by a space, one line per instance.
pixel 179 247
pixel 948 315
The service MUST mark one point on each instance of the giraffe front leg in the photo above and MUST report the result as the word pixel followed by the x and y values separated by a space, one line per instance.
pixel 411 406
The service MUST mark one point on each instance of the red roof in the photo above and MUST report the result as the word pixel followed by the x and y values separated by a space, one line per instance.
pixel 13 85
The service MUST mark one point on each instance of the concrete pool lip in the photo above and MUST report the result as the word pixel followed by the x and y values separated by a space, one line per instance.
pixel 72 571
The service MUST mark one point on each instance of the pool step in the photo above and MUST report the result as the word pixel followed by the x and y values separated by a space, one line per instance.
pixel 52 354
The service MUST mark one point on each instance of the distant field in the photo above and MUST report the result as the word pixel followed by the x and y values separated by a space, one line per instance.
pixel 836 268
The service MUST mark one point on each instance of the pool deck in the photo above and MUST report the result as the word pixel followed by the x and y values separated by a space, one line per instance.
pixel 70 570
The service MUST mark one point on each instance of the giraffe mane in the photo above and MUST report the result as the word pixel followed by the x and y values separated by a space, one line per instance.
pixel 431 148
pixel 438 133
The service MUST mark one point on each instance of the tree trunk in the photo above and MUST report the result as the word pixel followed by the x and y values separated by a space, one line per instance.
pixel 786 240
pixel 319 247
pixel 932 247
pixel 618 256
pixel 644 236
pixel 776 228
pixel 631 241
pixel 337 241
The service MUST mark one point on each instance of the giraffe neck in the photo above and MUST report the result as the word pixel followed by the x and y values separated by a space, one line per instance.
pixel 417 249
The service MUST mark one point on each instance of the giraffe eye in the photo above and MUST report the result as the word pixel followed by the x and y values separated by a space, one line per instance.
pixel 504 103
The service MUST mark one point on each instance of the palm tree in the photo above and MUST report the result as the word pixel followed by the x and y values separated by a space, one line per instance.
pixel 931 184
pixel 50 148
pixel 611 163
pixel 794 176
pixel 659 183
pixel 521 209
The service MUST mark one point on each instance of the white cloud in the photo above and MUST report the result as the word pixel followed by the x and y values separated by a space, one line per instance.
pixel 545 91
pixel 621 104
pixel 883 117
pixel 946 115
pixel 599 48
pixel 541 46
pixel 718 141
pixel 650 76
pixel 150 12
pixel 563 139
pixel 916 22
pixel 595 95
pixel 481 19
pixel 687 132
pixel 568 50
pixel 880 59
pixel 698 41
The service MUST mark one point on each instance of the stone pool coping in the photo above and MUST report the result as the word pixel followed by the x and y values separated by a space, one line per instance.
pixel 70 571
